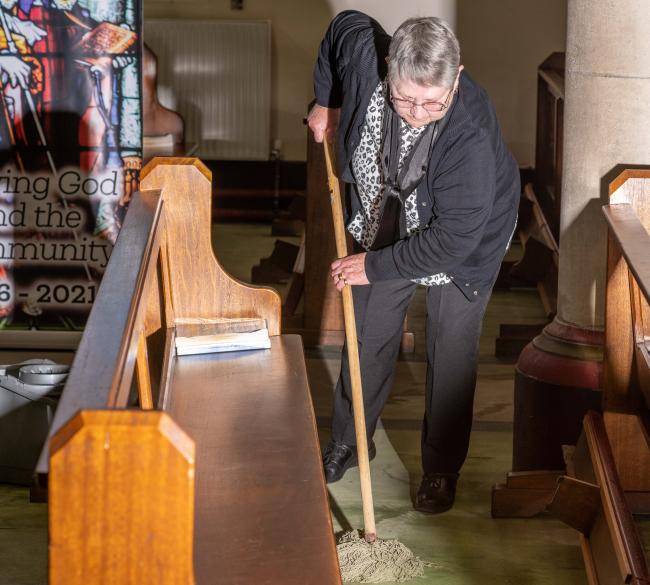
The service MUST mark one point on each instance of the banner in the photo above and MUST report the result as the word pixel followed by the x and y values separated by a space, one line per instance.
pixel 70 152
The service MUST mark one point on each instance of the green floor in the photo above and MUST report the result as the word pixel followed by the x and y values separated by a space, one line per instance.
pixel 23 538
pixel 466 545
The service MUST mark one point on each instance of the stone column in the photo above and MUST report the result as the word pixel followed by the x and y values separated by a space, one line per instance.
pixel 606 124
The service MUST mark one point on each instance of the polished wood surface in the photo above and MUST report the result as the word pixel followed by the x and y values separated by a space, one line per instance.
pixel 262 513
pixel 613 452
pixel 122 479
pixel 102 357
pixel 633 240
pixel 178 150
pixel 143 376
pixel 207 291
pixel 121 500
pixel 626 371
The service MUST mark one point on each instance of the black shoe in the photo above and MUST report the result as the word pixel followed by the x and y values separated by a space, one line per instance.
pixel 437 492
pixel 339 457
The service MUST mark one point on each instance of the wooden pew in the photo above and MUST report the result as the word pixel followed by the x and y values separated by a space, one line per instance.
pixel 193 469
pixel 547 415
pixel 609 475
pixel 539 210
pixel 538 228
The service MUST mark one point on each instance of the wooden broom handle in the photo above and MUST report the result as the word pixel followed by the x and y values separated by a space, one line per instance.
pixel 353 355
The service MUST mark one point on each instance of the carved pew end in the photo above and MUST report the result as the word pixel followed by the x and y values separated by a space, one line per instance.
pixel 121 500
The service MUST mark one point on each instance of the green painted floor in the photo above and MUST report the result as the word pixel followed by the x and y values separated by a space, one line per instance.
pixel 23 538
pixel 466 545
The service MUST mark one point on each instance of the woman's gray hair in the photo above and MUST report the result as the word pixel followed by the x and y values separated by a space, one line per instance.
pixel 424 51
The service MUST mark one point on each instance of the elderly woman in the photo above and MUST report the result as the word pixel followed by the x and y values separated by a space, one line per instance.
pixel 433 194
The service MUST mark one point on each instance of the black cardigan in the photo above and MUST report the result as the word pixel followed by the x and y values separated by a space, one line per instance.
pixel 469 196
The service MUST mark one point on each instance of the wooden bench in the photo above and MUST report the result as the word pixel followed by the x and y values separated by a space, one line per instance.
pixel 193 469
pixel 609 475
pixel 539 211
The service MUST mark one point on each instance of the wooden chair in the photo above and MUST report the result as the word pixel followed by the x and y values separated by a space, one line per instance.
pixel 609 475
pixel 193 469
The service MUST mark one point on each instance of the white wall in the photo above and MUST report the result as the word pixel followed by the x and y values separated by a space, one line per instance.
pixel 502 43
pixel 391 13
pixel 297 27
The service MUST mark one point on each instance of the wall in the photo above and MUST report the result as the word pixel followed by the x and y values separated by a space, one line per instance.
pixel 297 27
pixel 502 44
pixel 390 17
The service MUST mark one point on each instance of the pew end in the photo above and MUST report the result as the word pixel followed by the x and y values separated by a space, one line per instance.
pixel 609 475
pixel 154 459
pixel 138 466
pixel 209 292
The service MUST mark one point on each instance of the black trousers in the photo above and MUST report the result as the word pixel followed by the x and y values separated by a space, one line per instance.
pixel 453 330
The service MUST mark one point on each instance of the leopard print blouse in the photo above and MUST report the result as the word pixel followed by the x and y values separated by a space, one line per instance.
pixel 367 170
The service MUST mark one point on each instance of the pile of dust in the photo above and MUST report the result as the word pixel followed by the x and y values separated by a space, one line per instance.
pixel 381 561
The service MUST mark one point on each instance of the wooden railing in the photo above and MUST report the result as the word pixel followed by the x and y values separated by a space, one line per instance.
pixel 167 469
pixel 609 475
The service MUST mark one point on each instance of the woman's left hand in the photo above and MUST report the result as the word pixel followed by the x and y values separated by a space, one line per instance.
pixel 349 270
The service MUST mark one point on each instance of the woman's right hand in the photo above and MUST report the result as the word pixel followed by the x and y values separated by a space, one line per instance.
pixel 323 122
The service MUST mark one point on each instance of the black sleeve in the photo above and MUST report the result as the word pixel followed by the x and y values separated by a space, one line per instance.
pixel 347 35
pixel 464 191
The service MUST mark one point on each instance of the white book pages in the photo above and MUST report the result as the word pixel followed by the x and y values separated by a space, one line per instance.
pixel 223 342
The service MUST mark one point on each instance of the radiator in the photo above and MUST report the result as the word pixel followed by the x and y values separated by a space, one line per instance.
pixel 219 73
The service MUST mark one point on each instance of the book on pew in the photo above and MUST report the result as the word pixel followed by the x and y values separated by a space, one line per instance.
pixel 220 336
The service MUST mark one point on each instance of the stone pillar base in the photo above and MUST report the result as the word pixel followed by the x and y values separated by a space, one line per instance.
pixel 557 380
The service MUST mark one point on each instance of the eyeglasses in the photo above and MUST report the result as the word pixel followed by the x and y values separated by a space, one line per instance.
pixel 430 107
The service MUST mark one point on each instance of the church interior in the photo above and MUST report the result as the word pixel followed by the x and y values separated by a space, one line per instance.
pixel 159 467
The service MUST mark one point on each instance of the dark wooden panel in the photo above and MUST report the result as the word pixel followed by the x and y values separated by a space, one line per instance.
pixel 620 525
pixel 576 503
pixel 322 302
pixel 519 503
pixel 262 512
